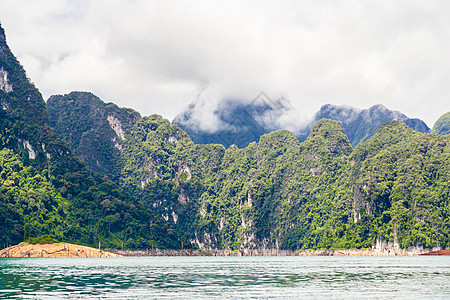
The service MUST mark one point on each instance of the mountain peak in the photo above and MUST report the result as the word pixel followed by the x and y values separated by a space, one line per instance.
pixel 2 34
pixel 329 133
pixel 378 106
pixel 344 114
pixel 232 120
pixel 360 124
pixel 23 108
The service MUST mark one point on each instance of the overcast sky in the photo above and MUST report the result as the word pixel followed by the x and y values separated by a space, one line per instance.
pixel 156 56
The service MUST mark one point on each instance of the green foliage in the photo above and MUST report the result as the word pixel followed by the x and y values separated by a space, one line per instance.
pixel 442 125
pixel 44 185
pixel 85 122
pixel 43 239
pixel 26 229
pixel 280 193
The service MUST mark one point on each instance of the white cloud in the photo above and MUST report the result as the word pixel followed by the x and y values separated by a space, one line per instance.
pixel 154 56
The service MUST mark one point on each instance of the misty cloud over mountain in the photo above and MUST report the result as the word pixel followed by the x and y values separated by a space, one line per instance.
pixel 237 121
pixel 242 121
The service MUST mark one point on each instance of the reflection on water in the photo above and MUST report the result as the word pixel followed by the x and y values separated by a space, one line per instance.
pixel 224 277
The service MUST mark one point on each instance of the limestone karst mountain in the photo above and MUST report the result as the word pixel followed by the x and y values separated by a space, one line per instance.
pixel 43 184
pixel 140 182
pixel 277 193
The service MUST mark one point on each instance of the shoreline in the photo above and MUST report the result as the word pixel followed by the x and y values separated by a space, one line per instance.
pixel 275 252
pixel 72 250
pixel 53 250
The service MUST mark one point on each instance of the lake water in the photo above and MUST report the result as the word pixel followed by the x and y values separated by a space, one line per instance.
pixel 416 277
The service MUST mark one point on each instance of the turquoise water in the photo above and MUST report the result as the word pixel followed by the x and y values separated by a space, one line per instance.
pixel 416 277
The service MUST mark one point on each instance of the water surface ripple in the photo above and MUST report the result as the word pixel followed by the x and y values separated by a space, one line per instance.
pixel 225 277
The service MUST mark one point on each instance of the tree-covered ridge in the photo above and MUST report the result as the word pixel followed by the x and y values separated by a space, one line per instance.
pixel 442 125
pixel 280 193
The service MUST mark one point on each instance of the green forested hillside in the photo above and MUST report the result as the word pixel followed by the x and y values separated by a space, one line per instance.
pixel 442 125
pixel 280 193
pixel 401 177
pixel 43 184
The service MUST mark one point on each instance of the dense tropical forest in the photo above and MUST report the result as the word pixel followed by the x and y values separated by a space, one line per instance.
pixel 278 193
pixel 90 172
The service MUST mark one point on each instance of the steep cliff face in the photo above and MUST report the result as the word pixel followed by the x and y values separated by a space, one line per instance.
pixel 24 119
pixel 44 184
pixel 94 130
pixel 400 186
pixel 118 142
pixel 32 157
pixel 148 157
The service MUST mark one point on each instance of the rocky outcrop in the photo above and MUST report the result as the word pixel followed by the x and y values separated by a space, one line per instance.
pixel 30 149
pixel 384 248
pixel 53 250
pixel 438 252
pixel 116 126
pixel 4 84
pixel 277 252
